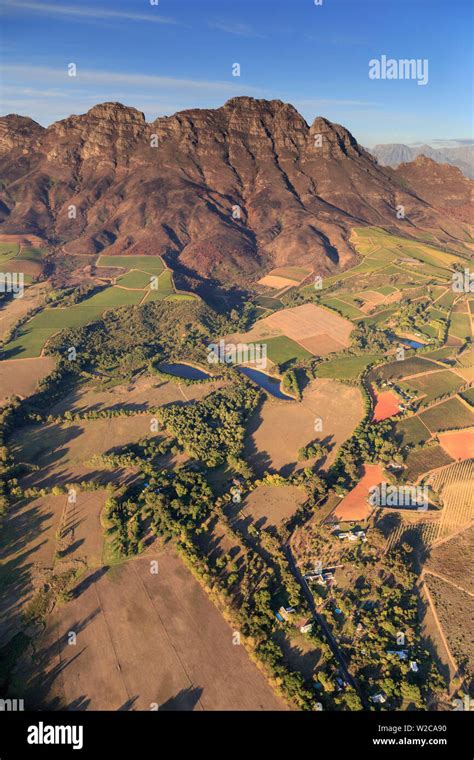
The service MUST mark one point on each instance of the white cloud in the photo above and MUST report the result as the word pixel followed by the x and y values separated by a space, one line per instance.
pixel 48 94
pixel 49 75
pixel 240 30
pixel 76 12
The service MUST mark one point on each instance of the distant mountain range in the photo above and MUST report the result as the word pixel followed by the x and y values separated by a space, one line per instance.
pixel 223 194
pixel 394 154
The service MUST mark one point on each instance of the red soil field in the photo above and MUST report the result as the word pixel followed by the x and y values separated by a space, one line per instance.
pixel 355 505
pixel 459 444
pixel 386 405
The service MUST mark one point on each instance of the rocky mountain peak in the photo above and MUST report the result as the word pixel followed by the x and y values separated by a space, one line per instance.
pixel 422 160
pixel 336 140
pixel 18 132
pixel 177 196
pixel 116 112
pixel 106 133
pixel 260 105
pixel 441 185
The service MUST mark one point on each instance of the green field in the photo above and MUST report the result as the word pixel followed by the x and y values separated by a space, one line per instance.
pixel 413 276
pixel 379 317
pixel 460 325
pixel 446 300
pixel 268 303
pixel 430 256
pixel 448 415
pixel 400 247
pixel 427 270
pixel 386 290
pixel 411 431
pixel 156 295
pixel 365 267
pixel 381 256
pixel 466 357
pixel 165 287
pixel 282 349
pixel 416 260
pixel 292 273
pixel 135 279
pixel 442 353
pixel 429 330
pixel 468 396
pixel 433 385
pixel 346 309
pixel 346 367
pixel 35 333
pixel 109 298
pixel 29 342
pixel 165 282
pixel 33 254
pixel 436 314
pixel 151 264
pixel 8 251
pixel 182 297
pixel 352 299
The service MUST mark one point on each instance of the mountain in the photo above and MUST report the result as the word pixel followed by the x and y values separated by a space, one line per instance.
pixel 393 154
pixel 222 194
pixel 441 185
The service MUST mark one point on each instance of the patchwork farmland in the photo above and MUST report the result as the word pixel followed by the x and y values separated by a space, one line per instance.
pixel 283 278
pixel 268 506
pixel 222 530
pixel 278 430
pixel 387 404
pixel 135 279
pixel 316 330
pixel 355 506
pixel 454 485
pixel 459 444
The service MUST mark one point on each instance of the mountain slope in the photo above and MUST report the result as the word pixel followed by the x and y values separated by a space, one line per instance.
pixel 441 185
pixel 394 154
pixel 223 194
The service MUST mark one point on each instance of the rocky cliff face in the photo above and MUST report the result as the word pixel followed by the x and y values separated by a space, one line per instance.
pixel 440 185
pixel 225 194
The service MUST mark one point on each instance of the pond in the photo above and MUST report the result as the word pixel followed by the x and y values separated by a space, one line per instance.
pixel 269 384
pixel 186 371
pixel 412 343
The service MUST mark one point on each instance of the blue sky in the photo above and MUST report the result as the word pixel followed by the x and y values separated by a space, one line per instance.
pixel 179 54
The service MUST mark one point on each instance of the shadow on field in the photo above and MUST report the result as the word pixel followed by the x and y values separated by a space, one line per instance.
pixel 12 353
pixel 42 674
pixel 128 705
pixel 259 460
pixel 87 582
pixel 21 529
pixel 212 545
pixel 44 444
pixel 185 700
pixel 41 683
pixel 71 548
pixel 304 662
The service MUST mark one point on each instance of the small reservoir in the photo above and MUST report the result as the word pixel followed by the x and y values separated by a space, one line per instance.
pixel 269 384
pixel 185 371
